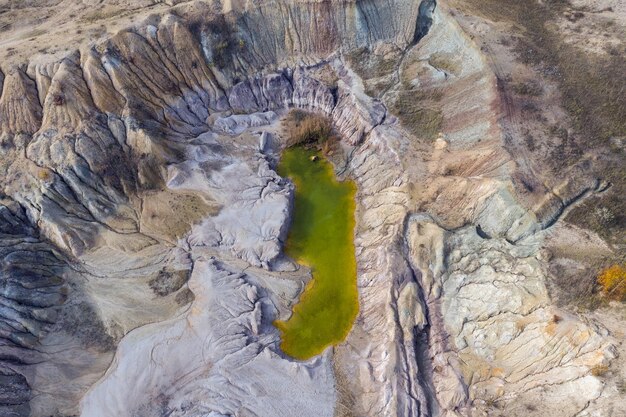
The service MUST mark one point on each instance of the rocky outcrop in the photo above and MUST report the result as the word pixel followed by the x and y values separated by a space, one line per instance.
pixel 45 319
pixel 19 106
pixel 431 337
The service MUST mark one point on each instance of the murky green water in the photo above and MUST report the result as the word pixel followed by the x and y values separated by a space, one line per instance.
pixel 321 237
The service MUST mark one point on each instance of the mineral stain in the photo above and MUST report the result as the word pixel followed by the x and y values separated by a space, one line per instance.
pixel 320 237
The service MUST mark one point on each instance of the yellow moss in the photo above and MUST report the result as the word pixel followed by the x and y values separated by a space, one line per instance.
pixel 612 280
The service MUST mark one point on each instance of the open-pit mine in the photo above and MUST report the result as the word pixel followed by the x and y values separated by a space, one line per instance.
pixel 298 208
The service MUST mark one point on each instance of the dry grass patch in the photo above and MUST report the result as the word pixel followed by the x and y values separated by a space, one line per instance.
pixel 599 370
pixel 369 65
pixel 445 62
pixel 420 112
pixel 592 90
pixel 309 129
pixel 44 174
pixel 531 88
pixel 101 14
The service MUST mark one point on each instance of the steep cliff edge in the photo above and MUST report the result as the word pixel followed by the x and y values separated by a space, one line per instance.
pixel 142 220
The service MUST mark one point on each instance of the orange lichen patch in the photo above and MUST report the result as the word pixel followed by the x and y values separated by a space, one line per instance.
pixel 612 281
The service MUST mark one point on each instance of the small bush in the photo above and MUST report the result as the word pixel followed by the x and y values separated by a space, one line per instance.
pixel 58 100
pixel 329 146
pixel 43 174
pixel 599 370
pixel 612 281
pixel 531 89
pixel 308 129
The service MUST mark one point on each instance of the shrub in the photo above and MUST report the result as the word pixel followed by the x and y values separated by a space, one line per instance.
pixel 58 100
pixel 532 89
pixel 43 174
pixel 308 128
pixel 612 280
pixel 599 370
pixel 328 147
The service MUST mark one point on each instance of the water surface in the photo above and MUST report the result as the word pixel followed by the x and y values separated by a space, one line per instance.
pixel 321 237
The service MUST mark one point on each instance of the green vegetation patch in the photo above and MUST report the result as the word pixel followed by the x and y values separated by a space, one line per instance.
pixel 320 237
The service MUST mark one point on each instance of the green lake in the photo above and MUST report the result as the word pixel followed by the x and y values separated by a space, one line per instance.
pixel 320 237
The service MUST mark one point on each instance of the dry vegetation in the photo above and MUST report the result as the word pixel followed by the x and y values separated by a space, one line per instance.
pixel 225 40
pixel 599 370
pixel 374 69
pixel 102 14
pixel 445 62
pixel 573 286
pixel 310 129
pixel 369 65
pixel 44 174
pixel 530 88
pixel 419 112
pixel 592 87
pixel 592 90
